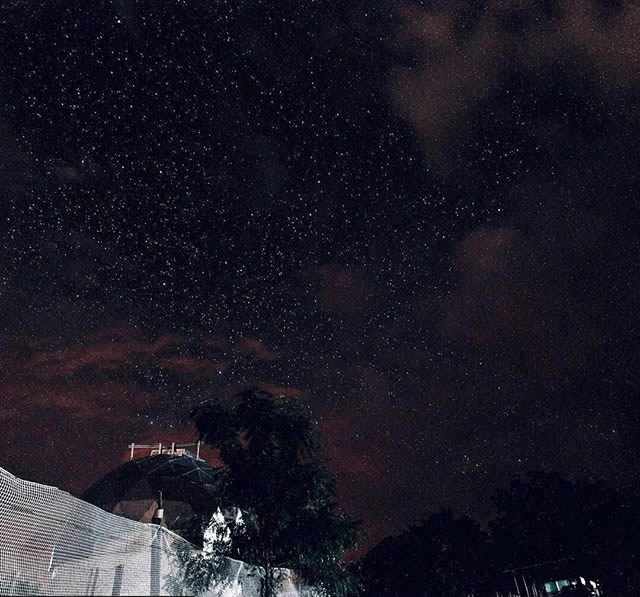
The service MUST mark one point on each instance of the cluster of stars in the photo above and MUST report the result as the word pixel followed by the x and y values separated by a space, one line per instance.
pixel 243 172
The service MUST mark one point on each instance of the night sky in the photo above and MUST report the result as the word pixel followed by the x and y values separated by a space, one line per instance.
pixel 419 218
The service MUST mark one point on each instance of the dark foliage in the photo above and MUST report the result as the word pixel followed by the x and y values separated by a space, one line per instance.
pixel 586 527
pixel 272 473
pixel 444 556
pixel 547 517
pixel 546 527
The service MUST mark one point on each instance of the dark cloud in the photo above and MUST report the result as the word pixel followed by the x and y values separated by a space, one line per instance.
pixel 529 107
pixel 511 304
pixel 461 58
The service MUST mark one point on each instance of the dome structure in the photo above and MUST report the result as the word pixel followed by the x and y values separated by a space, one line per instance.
pixel 188 487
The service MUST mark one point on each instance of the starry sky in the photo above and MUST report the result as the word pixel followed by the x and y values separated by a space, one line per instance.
pixel 420 218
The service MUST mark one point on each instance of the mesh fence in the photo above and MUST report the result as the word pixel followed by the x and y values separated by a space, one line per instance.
pixel 52 543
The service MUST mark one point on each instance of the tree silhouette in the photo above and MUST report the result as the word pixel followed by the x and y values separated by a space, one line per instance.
pixel 538 519
pixel 443 556
pixel 272 473
pixel 585 527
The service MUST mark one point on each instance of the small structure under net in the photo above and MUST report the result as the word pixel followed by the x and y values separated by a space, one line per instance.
pixel 52 543
pixel 188 486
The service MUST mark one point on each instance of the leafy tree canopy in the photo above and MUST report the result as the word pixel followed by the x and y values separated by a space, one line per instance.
pixel 273 474
pixel 584 526
pixel 443 556
pixel 547 517
pixel 546 527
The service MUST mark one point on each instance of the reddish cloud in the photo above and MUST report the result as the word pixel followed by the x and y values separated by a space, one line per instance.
pixel 125 347
pixel 512 305
pixel 454 73
pixel 370 451
pixel 449 77
pixel 256 348
pixel 493 301
pixel 66 432
pixel 278 390
pixel 611 44
pixel 85 401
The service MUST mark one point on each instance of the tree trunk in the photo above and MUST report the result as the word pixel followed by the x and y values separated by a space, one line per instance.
pixel 266 586
pixel 270 583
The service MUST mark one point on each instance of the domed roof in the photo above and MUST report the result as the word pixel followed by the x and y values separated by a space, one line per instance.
pixel 190 486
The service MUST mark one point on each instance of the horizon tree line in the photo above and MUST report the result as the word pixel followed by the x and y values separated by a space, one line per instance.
pixel 544 523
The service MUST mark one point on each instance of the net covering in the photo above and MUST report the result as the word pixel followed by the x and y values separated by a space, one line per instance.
pixel 52 543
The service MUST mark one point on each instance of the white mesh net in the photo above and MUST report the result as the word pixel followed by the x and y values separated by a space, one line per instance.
pixel 52 543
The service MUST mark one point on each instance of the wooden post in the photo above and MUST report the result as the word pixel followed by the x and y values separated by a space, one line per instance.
pixel 133 447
